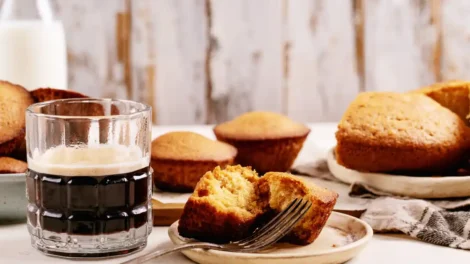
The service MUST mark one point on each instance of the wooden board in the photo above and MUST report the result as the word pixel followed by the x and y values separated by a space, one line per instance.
pixel 165 214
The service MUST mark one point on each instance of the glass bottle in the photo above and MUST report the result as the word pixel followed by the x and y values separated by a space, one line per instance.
pixel 33 48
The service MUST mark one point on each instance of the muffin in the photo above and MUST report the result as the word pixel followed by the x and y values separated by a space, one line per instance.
pixel 223 207
pixel 15 146
pixel 393 132
pixel 78 132
pixel 454 95
pixel 227 205
pixel 11 165
pixel 278 189
pixel 14 100
pixel 179 159
pixel 264 140
pixel 48 94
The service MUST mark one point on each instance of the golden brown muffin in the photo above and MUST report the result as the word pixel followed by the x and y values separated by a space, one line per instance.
pixel 227 205
pixel 14 145
pixel 264 140
pixel 19 152
pixel 223 207
pixel 14 100
pixel 454 95
pixel 278 189
pixel 78 131
pixel 387 132
pixel 179 159
pixel 10 165
pixel 48 94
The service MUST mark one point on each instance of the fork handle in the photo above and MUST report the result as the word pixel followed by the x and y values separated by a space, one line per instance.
pixel 159 253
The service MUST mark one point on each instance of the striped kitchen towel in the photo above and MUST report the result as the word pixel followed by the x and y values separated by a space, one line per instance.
pixel 440 222
pixel 420 219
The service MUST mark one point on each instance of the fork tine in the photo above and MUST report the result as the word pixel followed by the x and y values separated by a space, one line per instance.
pixel 286 227
pixel 275 237
pixel 279 218
pixel 270 240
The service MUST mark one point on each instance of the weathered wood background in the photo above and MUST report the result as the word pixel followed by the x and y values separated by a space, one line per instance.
pixel 206 61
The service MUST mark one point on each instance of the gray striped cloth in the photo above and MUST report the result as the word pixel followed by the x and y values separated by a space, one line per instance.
pixel 440 222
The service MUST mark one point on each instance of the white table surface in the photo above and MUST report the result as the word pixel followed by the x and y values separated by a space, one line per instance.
pixel 384 249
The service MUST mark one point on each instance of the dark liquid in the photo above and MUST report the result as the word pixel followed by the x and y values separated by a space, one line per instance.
pixel 88 205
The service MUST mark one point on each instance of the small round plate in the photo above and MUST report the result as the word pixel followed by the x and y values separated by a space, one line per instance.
pixel 12 197
pixel 410 186
pixel 341 239
pixel 12 177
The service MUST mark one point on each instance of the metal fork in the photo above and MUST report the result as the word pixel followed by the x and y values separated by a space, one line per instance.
pixel 261 238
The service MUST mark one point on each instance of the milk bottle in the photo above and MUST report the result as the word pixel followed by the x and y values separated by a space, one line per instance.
pixel 33 50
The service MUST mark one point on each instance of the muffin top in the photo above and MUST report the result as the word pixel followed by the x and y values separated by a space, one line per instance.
pixel 184 145
pixel 260 125
pixel 400 120
pixel 47 94
pixel 449 86
pixel 453 95
pixel 14 100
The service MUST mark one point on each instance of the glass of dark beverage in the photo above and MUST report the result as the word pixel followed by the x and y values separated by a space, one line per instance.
pixel 89 179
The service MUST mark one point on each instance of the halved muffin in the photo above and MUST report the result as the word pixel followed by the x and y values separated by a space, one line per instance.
pixel 223 207
pixel 180 159
pixel 278 189
pixel 229 204
pixel 406 133
pixel 266 141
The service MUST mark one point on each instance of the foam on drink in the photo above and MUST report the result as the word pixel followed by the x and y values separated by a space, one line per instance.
pixel 99 160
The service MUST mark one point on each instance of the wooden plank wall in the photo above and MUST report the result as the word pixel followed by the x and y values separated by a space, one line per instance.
pixel 206 61
pixel 320 52
pixel 400 44
pixel 245 63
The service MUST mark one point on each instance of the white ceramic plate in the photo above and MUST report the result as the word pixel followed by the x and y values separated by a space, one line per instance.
pixel 341 239
pixel 12 197
pixel 410 186
pixel 12 177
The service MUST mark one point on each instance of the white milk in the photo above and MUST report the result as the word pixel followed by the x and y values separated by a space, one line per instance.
pixel 33 54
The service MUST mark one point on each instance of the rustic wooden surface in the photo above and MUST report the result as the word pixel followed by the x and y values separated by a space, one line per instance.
pixel 92 46
pixel 245 57
pixel 206 61
pixel 321 64
pixel 169 58
pixel 400 44
pixel 455 39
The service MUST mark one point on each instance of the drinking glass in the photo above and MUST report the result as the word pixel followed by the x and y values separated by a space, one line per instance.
pixel 89 181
